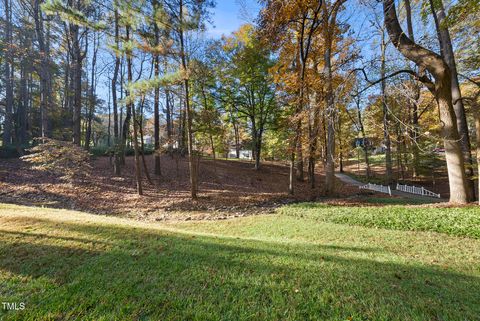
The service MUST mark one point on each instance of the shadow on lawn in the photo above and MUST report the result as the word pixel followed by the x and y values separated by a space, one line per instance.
pixel 136 274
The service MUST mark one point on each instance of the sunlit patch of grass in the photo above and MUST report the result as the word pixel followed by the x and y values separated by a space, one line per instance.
pixel 460 221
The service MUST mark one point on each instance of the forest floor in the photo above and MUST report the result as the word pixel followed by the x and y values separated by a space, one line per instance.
pixel 437 182
pixel 228 188
pixel 304 262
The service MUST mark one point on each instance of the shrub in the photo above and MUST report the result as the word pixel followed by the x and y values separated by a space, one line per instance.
pixel 12 151
pixel 99 151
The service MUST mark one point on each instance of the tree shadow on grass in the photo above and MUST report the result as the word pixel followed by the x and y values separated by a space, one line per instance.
pixel 135 273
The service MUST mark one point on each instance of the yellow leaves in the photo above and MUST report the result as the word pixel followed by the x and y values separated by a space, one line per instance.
pixel 243 37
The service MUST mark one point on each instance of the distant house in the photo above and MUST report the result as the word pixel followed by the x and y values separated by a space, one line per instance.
pixel 244 154
pixel 362 142
pixel 148 140
pixel 379 150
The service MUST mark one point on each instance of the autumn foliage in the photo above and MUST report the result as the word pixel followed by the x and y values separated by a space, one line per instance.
pixel 59 157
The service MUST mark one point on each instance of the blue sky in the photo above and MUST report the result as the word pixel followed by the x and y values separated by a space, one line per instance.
pixel 228 15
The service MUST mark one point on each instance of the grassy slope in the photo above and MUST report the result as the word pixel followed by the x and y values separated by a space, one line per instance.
pixel 71 265
pixel 463 221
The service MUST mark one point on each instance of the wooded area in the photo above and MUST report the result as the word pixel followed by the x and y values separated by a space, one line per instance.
pixel 294 85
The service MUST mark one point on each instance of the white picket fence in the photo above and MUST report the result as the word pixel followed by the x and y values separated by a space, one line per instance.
pixel 377 188
pixel 416 190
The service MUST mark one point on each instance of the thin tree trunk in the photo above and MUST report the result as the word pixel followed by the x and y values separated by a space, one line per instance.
pixel 330 17
pixel 142 147
pixel 116 134
pixel 131 112
pixel 476 114
pixel 330 166
pixel 44 70
pixel 156 101
pixel 23 105
pixel 92 94
pixel 386 133
pixel 109 128
pixel 291 190
pixel 415 98
pixel 168 116
pixel 7 128
pixel 340 143
pixel 77 85
pixel 313 139
pixel 188 114
pixel 364 137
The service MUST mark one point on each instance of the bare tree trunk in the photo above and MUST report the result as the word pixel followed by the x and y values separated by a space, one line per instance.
pixel 299 163
pixel 116 134
pixel 292 158
pixel 291 190
pixel 92 94
pixel 330 17
pixel 476 114
pixel 313 139
pixel 191 157
pixel 109 127
pixel 77 84
pixel 142 147
pixel 168 116
pixel 425 58
pixel 7 128
pixel 447 53
pixel 258 150
pixel 212 146
pixel 156 101
pixel 131 112
pixel 330 166
pixel 340 143
pixel 44 72
pixel 386 133
pixel 364 136
pixel 237 140
pixel 415 98
pixel 23 104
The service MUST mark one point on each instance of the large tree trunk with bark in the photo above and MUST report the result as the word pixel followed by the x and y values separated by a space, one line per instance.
pixel 447 53
pixel 429 60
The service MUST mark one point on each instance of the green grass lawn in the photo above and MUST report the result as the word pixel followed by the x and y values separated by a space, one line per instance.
pixel 454 221
pixel 67 265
